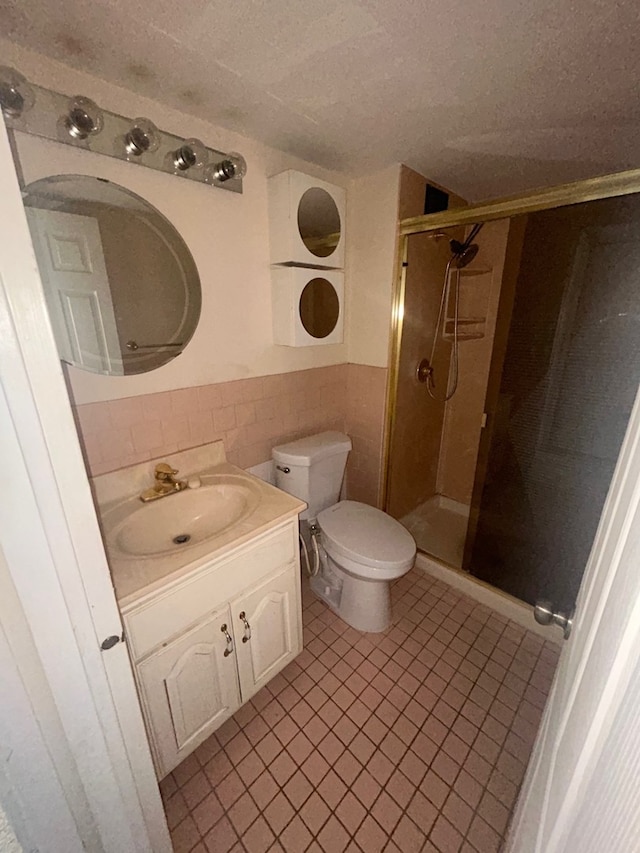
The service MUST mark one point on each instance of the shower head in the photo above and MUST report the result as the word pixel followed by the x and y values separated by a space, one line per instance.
pixel 464 253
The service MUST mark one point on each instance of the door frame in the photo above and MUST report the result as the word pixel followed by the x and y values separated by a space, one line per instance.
pixel 83 699
pixel 578 192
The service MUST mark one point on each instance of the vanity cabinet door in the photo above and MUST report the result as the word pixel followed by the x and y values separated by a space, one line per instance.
pixel 267 627
pixel 189 688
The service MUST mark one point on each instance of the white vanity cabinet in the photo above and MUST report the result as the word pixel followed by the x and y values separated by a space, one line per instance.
pixel 265 625
pixel 206 643
pixel 189 688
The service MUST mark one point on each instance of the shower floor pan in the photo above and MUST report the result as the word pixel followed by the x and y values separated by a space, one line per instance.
pixel 439 526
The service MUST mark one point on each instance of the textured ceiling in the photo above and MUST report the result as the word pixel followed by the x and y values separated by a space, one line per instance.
pixel 488 98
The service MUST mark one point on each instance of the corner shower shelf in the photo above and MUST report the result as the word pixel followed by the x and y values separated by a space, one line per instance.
pixel 471 271
pixel 468 334
pixel 470 327
pixel 464 336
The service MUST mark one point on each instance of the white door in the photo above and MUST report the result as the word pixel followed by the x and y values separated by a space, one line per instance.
pixel 56 562
pixel 189 689
pixel 582 790
pixel 76 284
pixel 265 624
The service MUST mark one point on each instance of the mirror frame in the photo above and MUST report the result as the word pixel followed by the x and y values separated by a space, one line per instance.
pixel 192 276
pixel 562 195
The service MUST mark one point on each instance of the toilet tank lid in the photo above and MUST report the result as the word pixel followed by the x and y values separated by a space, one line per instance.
pixel 304 451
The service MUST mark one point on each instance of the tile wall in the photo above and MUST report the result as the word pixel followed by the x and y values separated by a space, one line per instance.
pixel 249 415
pixel 364 417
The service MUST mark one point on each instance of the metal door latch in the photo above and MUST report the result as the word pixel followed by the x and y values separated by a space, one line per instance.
pixel 544 615
pixel 111 641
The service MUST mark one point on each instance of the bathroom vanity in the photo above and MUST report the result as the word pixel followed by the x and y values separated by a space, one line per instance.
pixel 207 622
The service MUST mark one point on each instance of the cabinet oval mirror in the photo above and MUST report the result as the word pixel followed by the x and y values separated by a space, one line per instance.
pixel 319 222
pixel 319 307
pixel 122 288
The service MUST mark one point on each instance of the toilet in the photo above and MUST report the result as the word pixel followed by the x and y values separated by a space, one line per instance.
pixel 362 548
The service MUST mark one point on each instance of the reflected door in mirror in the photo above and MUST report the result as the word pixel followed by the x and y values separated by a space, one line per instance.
pixel 121 286
pixel 71 260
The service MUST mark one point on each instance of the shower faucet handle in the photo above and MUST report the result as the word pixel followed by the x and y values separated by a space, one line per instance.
pixel 423 371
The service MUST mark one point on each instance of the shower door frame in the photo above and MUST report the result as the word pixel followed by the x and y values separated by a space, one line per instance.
pixel 563 195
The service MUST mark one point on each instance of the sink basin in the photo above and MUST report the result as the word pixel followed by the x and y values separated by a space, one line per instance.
pixel 181 520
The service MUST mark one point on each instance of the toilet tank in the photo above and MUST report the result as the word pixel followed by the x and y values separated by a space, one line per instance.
pixel 312 469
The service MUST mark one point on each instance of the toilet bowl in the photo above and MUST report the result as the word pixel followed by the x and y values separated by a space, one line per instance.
pixel 362 549
pixel 366 549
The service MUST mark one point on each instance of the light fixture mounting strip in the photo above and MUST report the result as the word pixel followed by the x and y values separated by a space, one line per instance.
pixel 44 120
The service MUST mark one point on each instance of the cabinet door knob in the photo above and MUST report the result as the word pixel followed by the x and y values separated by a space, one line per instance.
pixel 247 627
pixel 229 640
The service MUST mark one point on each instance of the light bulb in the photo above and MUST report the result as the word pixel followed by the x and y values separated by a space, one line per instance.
pixel 143 138
pixel 16 95
pixel 192 154
pixel 84 118
pixel 233 166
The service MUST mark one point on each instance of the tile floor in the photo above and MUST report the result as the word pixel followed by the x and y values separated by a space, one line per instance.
pixel 412 740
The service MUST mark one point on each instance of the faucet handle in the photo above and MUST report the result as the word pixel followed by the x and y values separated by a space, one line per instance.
pixel 164 472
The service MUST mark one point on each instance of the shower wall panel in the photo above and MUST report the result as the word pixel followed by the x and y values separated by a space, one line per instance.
pixel 364 417
pixel 415 446
pixel 479 297
pixel 417 433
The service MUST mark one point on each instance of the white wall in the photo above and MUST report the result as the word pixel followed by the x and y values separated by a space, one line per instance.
pixel 8 841
pixel 227 234
pixel 372 219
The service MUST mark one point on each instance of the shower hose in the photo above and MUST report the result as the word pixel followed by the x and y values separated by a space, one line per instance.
pixel 452 379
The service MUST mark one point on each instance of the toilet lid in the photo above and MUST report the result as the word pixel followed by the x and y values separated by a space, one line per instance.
pixel 366 535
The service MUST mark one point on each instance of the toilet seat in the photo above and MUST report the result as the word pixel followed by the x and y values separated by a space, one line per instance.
pixel 366 540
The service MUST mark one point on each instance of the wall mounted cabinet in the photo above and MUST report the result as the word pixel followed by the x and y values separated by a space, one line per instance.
pixel 306 221
pixel 308 306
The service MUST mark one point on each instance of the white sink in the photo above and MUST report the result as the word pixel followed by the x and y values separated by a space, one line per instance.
pixel 182 520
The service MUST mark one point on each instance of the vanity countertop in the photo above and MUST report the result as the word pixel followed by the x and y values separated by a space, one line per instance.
pixel 136 577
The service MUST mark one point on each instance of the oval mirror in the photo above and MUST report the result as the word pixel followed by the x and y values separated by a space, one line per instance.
pixel 122 288
pixel 319 222
pixel 319 307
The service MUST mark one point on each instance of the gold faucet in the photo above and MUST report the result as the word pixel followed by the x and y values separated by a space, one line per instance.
pixel 165 484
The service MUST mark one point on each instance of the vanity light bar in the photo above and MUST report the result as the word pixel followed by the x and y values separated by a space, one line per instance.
pixel 80 122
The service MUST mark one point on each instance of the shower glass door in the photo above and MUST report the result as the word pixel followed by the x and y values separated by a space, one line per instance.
pixel 560 392
pixel 435 440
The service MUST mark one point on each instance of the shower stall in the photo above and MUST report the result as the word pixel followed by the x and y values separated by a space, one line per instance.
pixel 518 361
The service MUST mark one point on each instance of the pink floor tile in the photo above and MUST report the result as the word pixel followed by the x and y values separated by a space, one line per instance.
pixel 416 739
